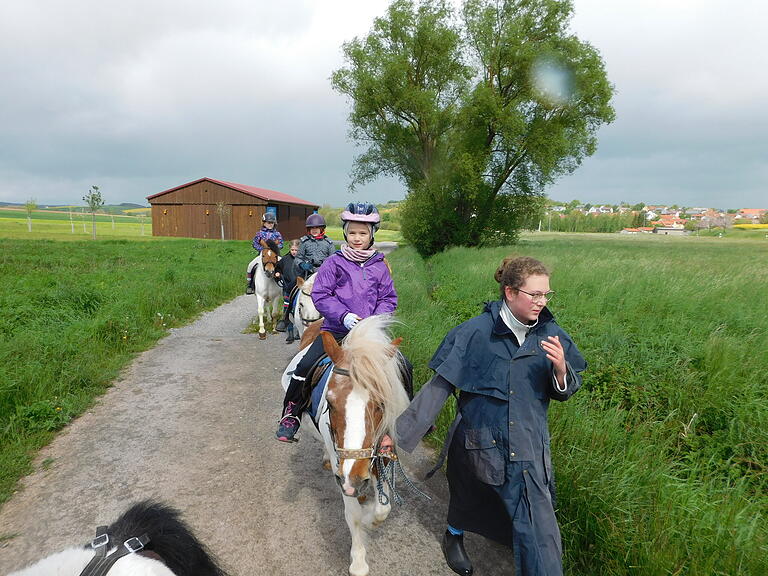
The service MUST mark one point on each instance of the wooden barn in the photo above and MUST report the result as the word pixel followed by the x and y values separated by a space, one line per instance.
pixel 190 210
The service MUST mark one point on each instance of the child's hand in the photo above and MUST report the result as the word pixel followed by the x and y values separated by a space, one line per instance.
pixel 350 320
pixel 556 355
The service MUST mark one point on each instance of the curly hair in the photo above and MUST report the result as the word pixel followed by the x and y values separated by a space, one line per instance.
pixel 514 270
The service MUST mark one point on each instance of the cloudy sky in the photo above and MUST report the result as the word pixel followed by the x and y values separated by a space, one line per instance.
pixel 140 96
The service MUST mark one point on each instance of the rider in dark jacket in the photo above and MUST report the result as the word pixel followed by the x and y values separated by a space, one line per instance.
pixel 287 269
pixel 315 246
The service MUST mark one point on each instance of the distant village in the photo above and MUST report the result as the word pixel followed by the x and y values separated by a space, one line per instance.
pixel 670 220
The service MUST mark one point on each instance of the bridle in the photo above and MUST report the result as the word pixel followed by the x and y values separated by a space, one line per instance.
pixel 370 453
pixel 386 465
pixel 271 274
pixel 307 321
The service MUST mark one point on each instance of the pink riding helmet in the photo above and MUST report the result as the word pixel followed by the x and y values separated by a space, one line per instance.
pixel 361 212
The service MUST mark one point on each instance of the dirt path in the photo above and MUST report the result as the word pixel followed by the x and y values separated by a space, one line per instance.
pixel 191 422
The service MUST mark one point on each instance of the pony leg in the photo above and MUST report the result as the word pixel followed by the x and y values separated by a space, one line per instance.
pixel 381 511
pixel 353 513
pixel 374 513
pixel 277 312
pixel 260 301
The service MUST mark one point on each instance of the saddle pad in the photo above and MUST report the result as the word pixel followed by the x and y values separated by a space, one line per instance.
pixel 319 390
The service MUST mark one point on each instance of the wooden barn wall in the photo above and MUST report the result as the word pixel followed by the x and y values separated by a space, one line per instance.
pixel 191 212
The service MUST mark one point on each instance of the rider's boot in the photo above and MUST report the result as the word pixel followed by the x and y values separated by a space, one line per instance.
pixel 291 335
pixel 283 322
pixel 249 288
pixel 289 424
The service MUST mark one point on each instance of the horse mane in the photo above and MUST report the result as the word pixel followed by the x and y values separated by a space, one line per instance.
pixel 376 366
pixel 273 246
pixel 170 537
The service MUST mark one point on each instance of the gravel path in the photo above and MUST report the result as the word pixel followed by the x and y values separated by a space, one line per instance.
pixel 191 422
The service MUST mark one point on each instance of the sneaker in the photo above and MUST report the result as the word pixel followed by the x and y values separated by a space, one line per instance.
pixel 287 429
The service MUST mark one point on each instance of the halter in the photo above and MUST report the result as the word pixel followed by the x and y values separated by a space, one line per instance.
pixel 358 453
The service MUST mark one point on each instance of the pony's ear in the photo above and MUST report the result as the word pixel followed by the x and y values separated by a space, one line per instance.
pixel 300 281
pixel 331 347
pixel 263 244
pixel 395 344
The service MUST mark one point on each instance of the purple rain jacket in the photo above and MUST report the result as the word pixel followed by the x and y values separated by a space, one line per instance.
pixel 343 286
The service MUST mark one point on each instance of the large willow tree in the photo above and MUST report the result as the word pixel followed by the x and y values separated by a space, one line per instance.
pixel 475 113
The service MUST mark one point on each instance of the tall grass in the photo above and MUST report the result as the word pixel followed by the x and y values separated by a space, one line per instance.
pixel 73 314
pixel 662 457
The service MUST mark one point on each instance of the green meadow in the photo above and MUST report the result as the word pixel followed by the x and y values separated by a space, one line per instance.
pixel 58 226
pixel 662 457
pixel 73 314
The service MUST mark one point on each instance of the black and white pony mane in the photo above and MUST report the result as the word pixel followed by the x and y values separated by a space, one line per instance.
pixel 170 539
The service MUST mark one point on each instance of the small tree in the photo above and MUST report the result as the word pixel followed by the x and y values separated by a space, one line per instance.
pixel 95 201
pixel 30 205
pixel 223 210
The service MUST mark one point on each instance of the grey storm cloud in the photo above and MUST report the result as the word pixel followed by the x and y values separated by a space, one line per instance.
pixel 141 96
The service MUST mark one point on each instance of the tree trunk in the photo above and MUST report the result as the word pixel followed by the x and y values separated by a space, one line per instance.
pixel 29 223
pixel 93 224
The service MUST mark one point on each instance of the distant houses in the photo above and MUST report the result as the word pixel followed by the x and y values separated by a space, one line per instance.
pixel 668 219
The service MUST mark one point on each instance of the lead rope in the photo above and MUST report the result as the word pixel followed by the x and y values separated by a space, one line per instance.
pixel 388 473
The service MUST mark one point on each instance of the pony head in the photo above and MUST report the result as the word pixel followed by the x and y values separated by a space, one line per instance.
pixel 270 254
pixel 365 396
pixel 305 309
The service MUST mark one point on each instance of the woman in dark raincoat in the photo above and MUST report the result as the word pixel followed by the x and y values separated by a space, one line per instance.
pixel 506 365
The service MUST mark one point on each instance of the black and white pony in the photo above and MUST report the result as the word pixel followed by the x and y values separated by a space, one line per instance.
pixel 150 539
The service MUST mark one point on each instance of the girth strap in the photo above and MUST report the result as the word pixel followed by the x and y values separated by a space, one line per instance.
pixel 101 563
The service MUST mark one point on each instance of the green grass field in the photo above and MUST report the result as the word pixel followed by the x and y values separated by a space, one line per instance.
pixel 57 226
pixel 662 457
pixel 73 314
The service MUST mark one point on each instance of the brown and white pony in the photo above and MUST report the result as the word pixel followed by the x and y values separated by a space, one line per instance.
pixel 363 399
pixel 265 285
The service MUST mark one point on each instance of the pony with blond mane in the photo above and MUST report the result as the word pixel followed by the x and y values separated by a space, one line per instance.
pixel 361 402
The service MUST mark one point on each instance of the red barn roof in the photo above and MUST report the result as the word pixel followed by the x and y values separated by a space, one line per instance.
pixel 263 193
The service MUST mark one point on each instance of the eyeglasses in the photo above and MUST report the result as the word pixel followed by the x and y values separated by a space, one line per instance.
pixel 538 296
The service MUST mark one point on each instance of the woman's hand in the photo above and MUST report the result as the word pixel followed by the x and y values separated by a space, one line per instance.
pixel 386 444
pixel 556 355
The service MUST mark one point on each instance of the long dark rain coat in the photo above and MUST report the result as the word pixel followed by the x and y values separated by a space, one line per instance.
pixel 499 464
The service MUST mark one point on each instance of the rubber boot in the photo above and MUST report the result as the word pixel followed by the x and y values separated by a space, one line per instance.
pixel 282 324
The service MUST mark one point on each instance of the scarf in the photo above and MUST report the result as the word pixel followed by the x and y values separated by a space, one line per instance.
pixel 356 255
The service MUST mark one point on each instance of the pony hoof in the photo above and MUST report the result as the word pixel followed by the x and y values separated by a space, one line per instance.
pixel 262 336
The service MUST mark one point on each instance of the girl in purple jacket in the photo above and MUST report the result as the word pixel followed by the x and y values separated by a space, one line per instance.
pixel 351 284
